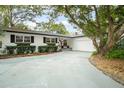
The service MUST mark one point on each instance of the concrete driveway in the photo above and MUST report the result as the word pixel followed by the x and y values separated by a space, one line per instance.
pixel 61 70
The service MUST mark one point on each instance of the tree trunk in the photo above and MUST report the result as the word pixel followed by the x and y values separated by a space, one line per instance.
pixel 11 16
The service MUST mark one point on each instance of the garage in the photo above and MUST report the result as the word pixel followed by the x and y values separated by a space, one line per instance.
pixel 82 44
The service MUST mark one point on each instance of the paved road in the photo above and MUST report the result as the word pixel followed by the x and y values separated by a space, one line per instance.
pixel 64 69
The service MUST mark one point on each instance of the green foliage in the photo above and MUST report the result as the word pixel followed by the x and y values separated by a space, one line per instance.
pixel 42 49
pixel 94 53
pixel 13 15
pixel 10 49
pixel 21 26
pixel 51 44
pixel 52 48
pixel 25 49
pixel 20 49
pixel 115 54
pixel 117 51
pixel 120 44
pixel 48 48
pixel 53 27
pixel 101 23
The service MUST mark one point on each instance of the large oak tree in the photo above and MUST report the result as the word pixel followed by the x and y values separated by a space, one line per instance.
pixel 102 24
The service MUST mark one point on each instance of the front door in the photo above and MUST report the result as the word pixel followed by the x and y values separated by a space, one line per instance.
pixel 65 43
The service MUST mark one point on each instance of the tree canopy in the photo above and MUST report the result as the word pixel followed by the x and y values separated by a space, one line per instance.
pixel 102 24
pixel 13 15
pixel 53 27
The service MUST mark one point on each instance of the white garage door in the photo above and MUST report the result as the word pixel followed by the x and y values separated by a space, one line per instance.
pixel 83 44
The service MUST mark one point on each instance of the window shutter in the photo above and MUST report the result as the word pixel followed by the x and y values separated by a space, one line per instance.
pixel 56 40
pixel 32 39
pixel 44 39
pixel 12 38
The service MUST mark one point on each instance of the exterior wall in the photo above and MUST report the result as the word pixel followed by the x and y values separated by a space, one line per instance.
pixel 82 44
pixel 38 39
pixel 79 43
pixel 70 42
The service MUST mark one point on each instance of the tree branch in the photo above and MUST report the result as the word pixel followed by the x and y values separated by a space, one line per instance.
pixel 71 16
pixel 97 16
pixel 95 43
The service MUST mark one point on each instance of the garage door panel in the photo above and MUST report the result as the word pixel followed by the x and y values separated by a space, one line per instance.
pixel 83 45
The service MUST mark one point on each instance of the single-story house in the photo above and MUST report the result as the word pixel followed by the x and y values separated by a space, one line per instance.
pixel 11 37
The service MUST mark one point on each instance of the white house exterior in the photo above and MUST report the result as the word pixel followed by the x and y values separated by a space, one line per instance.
pixel 11 37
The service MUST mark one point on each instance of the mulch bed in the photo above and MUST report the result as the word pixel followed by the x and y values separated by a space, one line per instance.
pixel 113 68
pixel 23 55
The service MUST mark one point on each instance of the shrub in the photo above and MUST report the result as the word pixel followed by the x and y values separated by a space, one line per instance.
pixel 48 48
pixel 25 49
pixel 21 49
pixel 43 49
pixel 52 48
pixel 32 49
pixel 117 51
pixel 115 54
pixel 51 44
pixel 10 49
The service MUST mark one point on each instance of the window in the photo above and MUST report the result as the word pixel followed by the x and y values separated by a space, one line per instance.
pixel 44 39
pixel 56 40
pixel 27 39
pixel 49 40
pixel 0 44
pixel 12 38
pixel 53 40
pixel 32 39
pixel 19 39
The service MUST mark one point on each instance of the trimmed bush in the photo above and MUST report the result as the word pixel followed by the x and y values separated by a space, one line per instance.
pixel 51 44
pixel 43 49
pixel 52 48
pixel 48 48
pixel 21 49
pixel 10 49
pixel 25 49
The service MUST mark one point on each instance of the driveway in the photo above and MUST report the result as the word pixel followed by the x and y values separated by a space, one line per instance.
pixel 61 70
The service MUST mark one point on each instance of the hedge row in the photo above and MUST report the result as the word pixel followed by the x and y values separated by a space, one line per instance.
pixel 27 48
pixel 43 49
pixel 20 49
